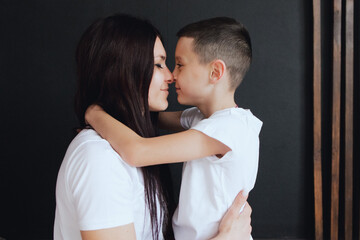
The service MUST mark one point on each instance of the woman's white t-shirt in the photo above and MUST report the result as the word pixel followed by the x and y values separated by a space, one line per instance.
pixel 96 189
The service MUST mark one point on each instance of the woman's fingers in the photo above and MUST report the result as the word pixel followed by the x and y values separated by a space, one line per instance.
pixel 236 223
pixel 239 203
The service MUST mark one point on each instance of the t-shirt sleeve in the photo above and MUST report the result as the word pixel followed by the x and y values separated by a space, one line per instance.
pixel 102 189
pixel 241 134
pixel 229 130
pixel 188 116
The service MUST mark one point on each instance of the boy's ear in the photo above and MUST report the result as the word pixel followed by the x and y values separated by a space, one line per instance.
pixel 218 68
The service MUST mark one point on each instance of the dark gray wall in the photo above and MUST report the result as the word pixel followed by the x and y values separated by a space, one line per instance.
pixel 37 45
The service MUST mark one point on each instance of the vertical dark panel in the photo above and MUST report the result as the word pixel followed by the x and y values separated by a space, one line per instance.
pixel 349 96
pixel 317 120
pixel 336 120
pixel 357 112
pixel 349 130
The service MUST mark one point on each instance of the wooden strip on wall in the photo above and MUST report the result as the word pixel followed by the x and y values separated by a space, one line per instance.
pixel 349 96
pixel 335 161
pixel 317 120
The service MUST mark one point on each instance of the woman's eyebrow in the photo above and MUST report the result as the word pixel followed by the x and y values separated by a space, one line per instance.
pixel 161 56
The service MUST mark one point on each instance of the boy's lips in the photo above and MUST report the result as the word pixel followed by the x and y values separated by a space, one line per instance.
pixel 164 89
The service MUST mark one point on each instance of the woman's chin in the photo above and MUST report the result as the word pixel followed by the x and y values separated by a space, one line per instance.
pixel 159 108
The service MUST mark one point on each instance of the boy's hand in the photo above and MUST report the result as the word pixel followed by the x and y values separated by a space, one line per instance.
pixel 90 110
pixel 236 224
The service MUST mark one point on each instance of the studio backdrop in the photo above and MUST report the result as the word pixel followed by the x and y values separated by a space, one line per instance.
pixel 37 74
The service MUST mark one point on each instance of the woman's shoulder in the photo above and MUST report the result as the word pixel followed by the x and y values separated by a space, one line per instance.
pixel 87 142
pixel 89 148
pixel 90 154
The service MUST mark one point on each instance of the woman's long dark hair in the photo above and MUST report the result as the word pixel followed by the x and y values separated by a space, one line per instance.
pixel 115 63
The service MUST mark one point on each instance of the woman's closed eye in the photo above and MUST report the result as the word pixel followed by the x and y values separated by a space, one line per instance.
pixel 159 65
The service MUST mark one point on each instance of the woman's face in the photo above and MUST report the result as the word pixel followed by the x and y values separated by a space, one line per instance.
pixel 159 86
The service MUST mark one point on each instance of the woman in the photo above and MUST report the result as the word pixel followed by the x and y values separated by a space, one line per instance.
pixel 121 67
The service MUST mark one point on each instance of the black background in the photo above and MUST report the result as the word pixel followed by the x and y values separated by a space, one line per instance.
pixel 37 46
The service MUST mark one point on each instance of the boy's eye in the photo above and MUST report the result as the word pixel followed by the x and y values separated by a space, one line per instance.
pixel 159 65
pixel 179 65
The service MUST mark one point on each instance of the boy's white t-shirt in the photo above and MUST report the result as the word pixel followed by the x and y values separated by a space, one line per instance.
pixel 209 185
pixel 96 189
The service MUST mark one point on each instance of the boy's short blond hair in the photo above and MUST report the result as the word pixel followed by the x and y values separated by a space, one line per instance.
pixel 221 38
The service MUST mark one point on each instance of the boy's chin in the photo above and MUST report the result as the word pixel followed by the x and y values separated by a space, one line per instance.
pixel 183 101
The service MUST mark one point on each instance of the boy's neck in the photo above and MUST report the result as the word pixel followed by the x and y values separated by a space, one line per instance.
pixel 207 108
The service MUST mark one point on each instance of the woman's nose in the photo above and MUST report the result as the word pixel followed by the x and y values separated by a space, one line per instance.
pixel 174 75
pixel 170 78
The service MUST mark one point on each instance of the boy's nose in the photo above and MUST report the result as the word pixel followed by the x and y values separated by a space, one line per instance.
pixel 174 72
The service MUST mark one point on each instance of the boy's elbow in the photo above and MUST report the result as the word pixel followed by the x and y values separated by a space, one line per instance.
pixel 134 153
pixel 131 159
pixel 134 158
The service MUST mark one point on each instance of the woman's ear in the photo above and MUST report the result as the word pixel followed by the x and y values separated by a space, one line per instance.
pixel 218 68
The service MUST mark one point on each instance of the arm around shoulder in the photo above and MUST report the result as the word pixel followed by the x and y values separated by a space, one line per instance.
pixel 138 151
pixel 178 147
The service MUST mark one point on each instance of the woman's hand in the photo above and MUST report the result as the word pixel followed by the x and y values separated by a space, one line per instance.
pixel 236 224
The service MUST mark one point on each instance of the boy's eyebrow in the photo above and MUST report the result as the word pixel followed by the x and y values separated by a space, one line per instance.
pixel 161 56
pixel 177 58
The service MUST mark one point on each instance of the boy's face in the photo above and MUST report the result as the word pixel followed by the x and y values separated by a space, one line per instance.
pixel 190 76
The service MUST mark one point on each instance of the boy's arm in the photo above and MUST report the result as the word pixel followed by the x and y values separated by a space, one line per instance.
pixel 126 232
pixel 170 121
pixel 139 151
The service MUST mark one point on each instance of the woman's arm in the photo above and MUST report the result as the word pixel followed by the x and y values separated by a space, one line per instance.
pixel 139 151
pixel 234 225
pixel 126 232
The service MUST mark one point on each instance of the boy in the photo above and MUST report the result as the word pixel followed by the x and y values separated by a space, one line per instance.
pixel 212 57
